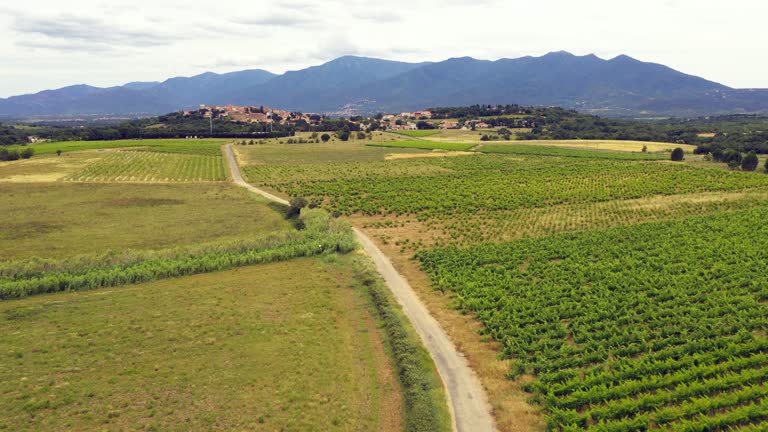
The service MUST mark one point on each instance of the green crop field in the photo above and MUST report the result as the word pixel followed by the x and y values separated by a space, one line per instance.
pixel 283 346
pixel 418 133
pixel 57 220
pixel 140 166
pixel 652 326
pixel 491 183
pixel 426 145
pixel 527 149
pixel 191 146
pixel 273 153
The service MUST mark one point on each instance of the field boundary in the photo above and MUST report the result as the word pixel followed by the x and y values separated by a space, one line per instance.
pixel 468 402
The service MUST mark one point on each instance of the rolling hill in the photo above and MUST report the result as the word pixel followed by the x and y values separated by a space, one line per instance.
pixel 621 86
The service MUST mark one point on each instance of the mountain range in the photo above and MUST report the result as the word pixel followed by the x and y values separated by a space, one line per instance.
pixel 621 86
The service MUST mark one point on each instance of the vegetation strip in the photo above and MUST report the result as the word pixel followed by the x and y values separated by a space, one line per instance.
pixel 426 145
pixel 321 234
pixel 425 408
pixel 543 150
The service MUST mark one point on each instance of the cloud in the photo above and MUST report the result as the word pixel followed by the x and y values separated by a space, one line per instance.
pixel 70 32
pixel 277 19
pixel 382 16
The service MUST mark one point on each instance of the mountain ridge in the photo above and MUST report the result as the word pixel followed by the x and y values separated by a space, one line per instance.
pixel 620 86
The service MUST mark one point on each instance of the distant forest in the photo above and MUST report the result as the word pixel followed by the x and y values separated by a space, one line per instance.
pixel 739 132
pixel 744 133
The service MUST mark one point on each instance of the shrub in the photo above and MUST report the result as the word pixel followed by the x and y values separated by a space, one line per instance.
pixel 325 137
pixel 750 161
pixel 297 203
pixel 677 154
pixel 8 155
pixel 27 153
pixel 731 155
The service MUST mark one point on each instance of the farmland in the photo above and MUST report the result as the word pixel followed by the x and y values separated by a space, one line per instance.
pixel 628 329
pixel 418 133
pixel 67 219
pixel 138 166
pixel 133 235
pixel 256 348
pixel 427 145
pixel 489 183
pixel 190 146
pixel 622 292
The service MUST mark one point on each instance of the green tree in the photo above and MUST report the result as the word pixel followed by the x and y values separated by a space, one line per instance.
pixel 325 137
pixel 27 153
pixel 750 161
pixel 344 133
pixel 677 154
pixel 424 125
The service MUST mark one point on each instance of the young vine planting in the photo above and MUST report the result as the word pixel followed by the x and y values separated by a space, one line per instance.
pixel 145 166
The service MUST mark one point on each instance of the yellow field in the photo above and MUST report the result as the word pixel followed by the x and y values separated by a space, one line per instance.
pixel 48 168
pixel 628 146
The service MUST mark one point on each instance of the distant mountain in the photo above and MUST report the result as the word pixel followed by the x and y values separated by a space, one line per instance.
pixel 135 98
pixel 621 86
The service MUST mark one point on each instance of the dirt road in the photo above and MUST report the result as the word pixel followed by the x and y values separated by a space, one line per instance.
pixel 469 405
pixel 237 177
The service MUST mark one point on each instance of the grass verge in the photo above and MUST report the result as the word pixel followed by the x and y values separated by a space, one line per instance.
pixel 425 400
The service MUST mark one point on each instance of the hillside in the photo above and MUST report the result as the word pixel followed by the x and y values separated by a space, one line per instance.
pixel 621 86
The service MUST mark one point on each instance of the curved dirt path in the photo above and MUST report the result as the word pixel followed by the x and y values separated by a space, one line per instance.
pixel 467 399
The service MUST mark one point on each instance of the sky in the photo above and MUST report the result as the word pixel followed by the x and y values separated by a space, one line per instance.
pixel 48 44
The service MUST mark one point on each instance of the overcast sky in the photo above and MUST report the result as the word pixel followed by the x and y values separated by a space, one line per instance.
pixel 53 43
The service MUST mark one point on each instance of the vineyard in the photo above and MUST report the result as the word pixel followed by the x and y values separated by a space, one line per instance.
pixel 189 146
pixel 544 150
pixel 655 326
pixel 627 293
pixel 418 133
pixel 145 166
pixel 446 188
pixel 425 145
